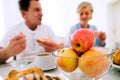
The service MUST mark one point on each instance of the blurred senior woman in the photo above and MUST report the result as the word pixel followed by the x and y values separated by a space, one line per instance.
pixel 85 10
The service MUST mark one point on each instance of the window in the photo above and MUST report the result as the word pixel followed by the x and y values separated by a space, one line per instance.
pixel 1 20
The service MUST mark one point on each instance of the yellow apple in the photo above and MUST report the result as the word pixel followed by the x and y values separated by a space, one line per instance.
pixel 67 60
pixel 93 63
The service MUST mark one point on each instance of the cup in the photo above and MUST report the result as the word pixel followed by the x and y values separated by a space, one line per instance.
pixel 45 61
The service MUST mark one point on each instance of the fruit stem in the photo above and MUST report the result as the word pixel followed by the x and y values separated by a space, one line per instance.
pixel 78 44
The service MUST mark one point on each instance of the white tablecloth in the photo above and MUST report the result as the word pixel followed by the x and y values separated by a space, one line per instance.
pixel 113 74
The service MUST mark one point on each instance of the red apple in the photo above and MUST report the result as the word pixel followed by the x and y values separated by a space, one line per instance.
pixel 82 40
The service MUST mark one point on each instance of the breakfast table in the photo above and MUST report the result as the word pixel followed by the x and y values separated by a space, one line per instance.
pixel 112 74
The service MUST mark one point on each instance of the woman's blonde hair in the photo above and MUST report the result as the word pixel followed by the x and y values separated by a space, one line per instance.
pixel 84 5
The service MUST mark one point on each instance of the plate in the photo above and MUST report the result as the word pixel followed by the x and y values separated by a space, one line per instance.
pixel 22 62
pixel 1 78
pixel 116 66
pixel 50 68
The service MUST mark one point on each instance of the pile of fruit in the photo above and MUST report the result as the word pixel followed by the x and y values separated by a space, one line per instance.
pixel 82 55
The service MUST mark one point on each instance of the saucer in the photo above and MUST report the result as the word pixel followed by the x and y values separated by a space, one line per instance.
pixel 49 68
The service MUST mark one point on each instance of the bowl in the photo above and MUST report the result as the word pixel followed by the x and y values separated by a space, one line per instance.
pixel 116 59
pixel 116 66
pixel 92 64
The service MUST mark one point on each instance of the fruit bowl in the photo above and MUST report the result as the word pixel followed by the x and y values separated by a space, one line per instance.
pixel 91 65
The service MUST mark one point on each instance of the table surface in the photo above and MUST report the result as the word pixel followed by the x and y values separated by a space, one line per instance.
pixel 113 74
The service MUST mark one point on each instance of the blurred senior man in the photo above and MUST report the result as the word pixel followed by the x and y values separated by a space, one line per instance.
pixel 21 38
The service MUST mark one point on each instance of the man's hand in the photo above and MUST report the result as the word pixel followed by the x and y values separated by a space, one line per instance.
pixel 16 45
pixel 50 45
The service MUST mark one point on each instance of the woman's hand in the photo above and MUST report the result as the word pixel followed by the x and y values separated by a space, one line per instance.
pixel 102 37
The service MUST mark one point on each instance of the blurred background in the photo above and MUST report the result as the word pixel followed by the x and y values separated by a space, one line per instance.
pixel 61 15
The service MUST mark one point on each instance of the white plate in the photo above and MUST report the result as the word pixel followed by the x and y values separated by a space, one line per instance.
pixel 27 63
pixel 22 62
pixel 50 68
pixel 1 78
pixel 116 66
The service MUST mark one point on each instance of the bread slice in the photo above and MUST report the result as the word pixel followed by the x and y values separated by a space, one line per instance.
pixel 30 74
